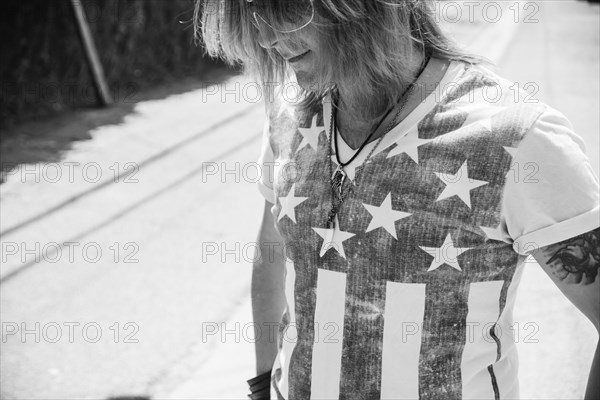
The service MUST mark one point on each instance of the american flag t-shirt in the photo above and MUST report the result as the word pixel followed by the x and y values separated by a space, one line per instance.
pixel 411 295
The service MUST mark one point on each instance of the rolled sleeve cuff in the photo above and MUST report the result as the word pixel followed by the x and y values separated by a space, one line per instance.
pixel 558 232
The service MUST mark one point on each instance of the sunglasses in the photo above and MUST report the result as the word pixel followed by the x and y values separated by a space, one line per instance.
pixel 297 14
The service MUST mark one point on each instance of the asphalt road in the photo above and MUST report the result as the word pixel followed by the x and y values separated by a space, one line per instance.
pixel 159 211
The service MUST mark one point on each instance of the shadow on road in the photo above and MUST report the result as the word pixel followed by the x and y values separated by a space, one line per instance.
pixel 45 140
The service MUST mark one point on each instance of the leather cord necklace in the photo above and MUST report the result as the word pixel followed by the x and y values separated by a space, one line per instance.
pixel 337 179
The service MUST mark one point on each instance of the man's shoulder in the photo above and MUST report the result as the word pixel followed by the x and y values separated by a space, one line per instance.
pixel 480 84
pixel 480 101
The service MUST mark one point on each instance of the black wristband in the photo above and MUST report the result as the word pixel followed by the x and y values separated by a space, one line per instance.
pixel 260 387
pixel 264 395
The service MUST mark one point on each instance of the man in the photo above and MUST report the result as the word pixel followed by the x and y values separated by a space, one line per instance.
pixel 409 184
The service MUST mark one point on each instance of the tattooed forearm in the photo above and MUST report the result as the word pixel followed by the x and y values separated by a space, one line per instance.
pixel 576 260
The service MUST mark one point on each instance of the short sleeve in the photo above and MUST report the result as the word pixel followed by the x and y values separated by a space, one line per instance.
pixel 266 162
pixel 551 192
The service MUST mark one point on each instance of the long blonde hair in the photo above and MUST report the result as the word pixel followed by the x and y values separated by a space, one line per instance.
pixel 371 41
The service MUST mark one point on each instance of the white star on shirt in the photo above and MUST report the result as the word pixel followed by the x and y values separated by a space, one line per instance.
pixel 333 238
pixel 459 184
pixel 446 254
pixel 289 203
pixel 492 233
pixel 409 144
pixel 384 216
pixel 310 136
pixel 511 150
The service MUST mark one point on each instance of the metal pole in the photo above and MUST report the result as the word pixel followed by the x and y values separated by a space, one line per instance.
pixel 91 53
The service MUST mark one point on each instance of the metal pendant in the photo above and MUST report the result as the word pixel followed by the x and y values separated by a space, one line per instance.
pixel 337 182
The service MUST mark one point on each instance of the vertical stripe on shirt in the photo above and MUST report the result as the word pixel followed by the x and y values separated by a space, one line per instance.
pixel 403 323
pixel 329 326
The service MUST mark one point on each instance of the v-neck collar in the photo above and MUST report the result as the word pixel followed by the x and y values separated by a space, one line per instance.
pixel 453 72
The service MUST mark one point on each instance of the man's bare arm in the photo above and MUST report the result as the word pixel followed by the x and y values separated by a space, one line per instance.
pixel 268 298
pixel 573 265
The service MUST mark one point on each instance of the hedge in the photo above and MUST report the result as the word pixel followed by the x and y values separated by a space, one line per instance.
pixel 141 43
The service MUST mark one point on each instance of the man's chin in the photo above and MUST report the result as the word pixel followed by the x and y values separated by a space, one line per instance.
pixel 302 78
pixel 305 80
